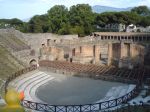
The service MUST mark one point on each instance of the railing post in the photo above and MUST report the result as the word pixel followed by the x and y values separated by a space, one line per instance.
pixel 66 108
pixel 100 106
pixel 36 106
pixel 90 107
pixel 55 108
pixel 80 108
pixel 108 104
pixel 116 102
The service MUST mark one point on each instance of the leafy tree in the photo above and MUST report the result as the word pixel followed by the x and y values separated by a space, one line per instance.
pixel 38 23
pixel 16 22
pixel 35 25
pixel 117 17
pixel 131 18
pixel 145 21
pixel 141 10
pixel 58 16
pixel 65 29
pixel 78 20
pixel 81 16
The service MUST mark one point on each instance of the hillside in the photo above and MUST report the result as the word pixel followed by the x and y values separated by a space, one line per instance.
pixel 100 9
pixel 11 40
pixel 10 43
pixel 8 63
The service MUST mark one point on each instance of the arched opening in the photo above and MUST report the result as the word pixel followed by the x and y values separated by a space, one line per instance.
pixel 33 62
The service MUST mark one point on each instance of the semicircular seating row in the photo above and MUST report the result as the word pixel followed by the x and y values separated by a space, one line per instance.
pixel 29 83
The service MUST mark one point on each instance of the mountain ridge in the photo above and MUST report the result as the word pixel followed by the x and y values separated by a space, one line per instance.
pixel 101 9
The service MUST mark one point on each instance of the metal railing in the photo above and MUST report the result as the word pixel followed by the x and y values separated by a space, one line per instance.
pixel 80 108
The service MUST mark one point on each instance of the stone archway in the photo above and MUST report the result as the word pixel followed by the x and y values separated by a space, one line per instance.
pixel 33 62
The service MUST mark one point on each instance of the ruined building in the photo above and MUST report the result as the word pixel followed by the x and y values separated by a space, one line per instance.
pixel 102 48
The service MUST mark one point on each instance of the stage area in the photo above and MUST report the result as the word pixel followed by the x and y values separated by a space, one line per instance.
pixel 69 90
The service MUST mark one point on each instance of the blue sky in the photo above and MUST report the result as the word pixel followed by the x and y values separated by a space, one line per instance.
pixel 24 9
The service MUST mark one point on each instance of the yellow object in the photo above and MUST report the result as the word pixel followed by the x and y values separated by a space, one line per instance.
pixel 13 102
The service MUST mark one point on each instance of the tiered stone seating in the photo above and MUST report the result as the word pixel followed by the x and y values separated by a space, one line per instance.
pixel 97 71
pixel 30 82
pixel 12 42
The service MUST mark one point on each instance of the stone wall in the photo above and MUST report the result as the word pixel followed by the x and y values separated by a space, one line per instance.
pixel 70 48
pixel 86 50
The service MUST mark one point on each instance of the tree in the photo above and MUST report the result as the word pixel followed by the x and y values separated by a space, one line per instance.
pixel 117 17
pixel 131 18
pixel 81 16
pixel 145 21
pixel 38 24
pixel 78 20
pixel 141 10
pixel 58 16
pixel 16 23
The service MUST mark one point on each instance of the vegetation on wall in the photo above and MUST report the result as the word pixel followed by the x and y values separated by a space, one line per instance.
pixel 79 19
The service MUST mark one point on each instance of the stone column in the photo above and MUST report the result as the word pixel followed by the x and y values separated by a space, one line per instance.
pixel 77 51
pixel 97 54
pixel 142 55
pixel 61 55
pixel 122 50
pixel 110 54
pixel 99 37
pixel 133 52
pixel 122 54
pixel 142 39
pixel 48 40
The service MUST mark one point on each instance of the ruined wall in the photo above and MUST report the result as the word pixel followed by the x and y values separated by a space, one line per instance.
pixel 51 53
pixel 147 55
pixel 83 54
pixel 126 55
pixel 137 54
pixel 97 54
pixel 116 47
pixel 35 40
pixel 127 50
pixel 70 48
pixel 108 53
pixel 87 51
